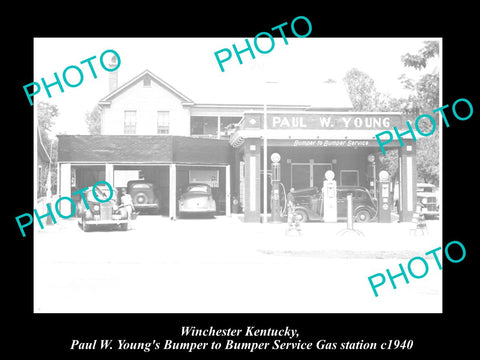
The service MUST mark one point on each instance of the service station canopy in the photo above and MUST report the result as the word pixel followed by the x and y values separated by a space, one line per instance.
pixel 319 129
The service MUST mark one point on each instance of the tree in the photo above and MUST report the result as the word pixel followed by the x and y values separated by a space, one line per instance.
pixel 93 120
pixel 365 97
pixel 361 89
pixel 423 98
pixel 46 114
pixel 419 61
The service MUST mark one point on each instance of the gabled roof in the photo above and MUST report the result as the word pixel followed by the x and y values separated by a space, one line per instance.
pixel 107 99
pixel 324 96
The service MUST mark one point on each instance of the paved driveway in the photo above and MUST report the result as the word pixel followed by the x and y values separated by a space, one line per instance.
pixel 225 265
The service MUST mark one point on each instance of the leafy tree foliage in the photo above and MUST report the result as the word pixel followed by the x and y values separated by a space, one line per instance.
pixel 93 120
pixel 365 97
pixel 361 89
pixel 419 61
pixel 422 98
pixel 46 114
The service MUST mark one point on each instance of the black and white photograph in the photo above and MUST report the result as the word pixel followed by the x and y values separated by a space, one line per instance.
pixel 169 193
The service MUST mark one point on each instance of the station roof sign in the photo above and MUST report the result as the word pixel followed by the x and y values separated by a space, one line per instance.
pixel 324 121
pixel 318 129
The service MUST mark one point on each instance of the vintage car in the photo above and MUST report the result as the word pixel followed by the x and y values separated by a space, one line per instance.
pixel 427 197
pixel 197 199
pixel 144 196
pixel 102 214
pixel 309 204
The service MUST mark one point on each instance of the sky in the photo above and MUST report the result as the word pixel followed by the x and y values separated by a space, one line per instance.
pixel 189 65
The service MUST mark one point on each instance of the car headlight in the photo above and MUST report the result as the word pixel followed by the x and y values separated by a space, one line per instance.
pixel 96 207
pixel 424 201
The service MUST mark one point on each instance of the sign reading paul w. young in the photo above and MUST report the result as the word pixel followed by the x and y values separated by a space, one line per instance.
pixel 325 121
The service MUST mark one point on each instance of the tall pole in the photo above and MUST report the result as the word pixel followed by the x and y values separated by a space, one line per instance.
pixel 265 152
pixel 265 163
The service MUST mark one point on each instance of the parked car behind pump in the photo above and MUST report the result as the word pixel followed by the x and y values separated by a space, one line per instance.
pixel 144 195
pixel 309 204
pixel 427 196
pixel 102 214
pixel 197 199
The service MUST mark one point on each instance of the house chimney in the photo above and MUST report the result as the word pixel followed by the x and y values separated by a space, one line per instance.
pixel 113 80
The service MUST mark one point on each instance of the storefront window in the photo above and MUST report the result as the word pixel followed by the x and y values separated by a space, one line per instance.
pixel 308 175
pixel 349 177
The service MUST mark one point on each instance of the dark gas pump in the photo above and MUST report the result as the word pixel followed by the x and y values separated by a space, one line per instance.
pixel 384 203
pixel 275 193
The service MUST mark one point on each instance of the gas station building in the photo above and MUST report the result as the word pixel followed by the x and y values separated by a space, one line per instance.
pixel 151 130
pixel 310 143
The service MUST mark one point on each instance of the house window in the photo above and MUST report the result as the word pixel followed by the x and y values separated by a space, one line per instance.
pixel 163 122
pixel 130 124
pixel 219 127
pixel 227 125
pixel 204 126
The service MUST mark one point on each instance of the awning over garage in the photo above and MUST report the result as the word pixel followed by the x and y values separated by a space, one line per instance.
pixel 84 159
pixel 142 149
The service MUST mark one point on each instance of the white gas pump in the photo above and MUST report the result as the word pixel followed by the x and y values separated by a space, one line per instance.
pixel 384 203
pixel 329 191
pixel 275 192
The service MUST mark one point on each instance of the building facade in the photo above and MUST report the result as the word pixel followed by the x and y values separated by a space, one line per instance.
pixel 152 131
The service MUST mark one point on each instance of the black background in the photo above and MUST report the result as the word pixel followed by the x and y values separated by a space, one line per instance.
pixel 433 334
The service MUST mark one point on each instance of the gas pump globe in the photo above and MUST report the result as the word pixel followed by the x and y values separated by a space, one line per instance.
pixel 275 193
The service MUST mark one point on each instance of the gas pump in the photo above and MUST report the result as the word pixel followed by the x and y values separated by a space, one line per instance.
pixel 275 193
pixel 371 171
pixel 384 203
pixel 329 191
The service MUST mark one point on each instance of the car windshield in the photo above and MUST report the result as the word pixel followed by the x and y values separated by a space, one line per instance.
pixel 357 194
pixel 424 189
pixel 102 193
pixel 360 195
pixel 198 188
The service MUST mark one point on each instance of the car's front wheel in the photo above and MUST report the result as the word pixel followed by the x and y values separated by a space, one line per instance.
pixel 85 226
pixel 301 216
pixel 363 216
